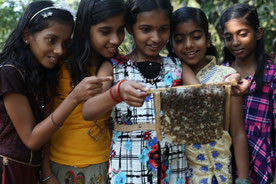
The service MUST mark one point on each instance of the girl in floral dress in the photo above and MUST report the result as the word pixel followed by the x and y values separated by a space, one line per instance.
pixel 209 163
pixel 136 155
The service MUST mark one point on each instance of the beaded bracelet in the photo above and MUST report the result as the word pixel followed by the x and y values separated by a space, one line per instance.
pixel 242 181
pixel 118 90
pixel 113 98
pixel 47 178
pixel 55 123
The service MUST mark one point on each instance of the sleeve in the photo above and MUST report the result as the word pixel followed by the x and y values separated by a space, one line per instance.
pixel 274 112
pixel 11 80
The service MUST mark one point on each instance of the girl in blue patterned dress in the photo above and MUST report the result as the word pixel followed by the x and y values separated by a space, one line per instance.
pixel 136 155
pixel 209 163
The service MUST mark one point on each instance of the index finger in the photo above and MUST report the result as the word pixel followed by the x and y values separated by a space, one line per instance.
pixel 104 79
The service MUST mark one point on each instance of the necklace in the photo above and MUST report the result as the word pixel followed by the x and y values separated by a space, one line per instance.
pixel 149 80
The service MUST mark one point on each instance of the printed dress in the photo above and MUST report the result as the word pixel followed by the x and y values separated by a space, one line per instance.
pixel 260 126
pixel 214 159
pixel 135 155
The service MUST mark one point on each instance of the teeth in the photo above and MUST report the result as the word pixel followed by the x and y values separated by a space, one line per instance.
pixel 190 53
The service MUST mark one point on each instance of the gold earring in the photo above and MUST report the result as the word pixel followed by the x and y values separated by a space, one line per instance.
pixel 26 42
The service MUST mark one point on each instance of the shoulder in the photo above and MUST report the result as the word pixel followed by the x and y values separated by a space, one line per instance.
pixel 270 72
pixel 119 60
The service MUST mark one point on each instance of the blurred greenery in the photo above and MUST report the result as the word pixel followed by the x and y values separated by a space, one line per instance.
pixel 10 11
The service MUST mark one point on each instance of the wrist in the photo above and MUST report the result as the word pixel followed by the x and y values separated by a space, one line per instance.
pixel 118 90
pixel 47 178
pixel 242 181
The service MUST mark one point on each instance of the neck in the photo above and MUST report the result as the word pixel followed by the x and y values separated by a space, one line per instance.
pixel 95 60
pixel 141 57
pixel 246 66
pixel 197 67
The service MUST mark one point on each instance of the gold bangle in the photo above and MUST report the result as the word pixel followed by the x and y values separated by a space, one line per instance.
pixel 56 124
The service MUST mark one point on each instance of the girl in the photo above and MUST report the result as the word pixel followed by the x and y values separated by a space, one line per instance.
pixel 191 42
pixel 28 77
pixel 80 149
pixel 136 155
pixel 244 51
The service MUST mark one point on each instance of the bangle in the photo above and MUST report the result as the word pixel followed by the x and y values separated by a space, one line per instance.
pixel 242 181
pixel 56 124
pixel 118 90
pixel 113 98
pixel 47 178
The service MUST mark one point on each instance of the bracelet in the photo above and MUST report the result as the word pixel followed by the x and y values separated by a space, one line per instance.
pixel 118 90
pixel 113 98
pixel 242 181
pixel 56 124
pixel 47 178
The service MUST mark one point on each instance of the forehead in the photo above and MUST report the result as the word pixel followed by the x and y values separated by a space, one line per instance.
pixel 61 30
pixel 114 21
pixel 154 18
pixel 235 25
pixel 187 27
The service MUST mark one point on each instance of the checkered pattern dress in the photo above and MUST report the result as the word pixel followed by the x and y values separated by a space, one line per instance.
pixel 260 115
pixel 137 156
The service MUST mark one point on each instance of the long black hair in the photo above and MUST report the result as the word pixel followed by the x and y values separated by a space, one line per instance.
pixel 185 14
pixel 39 81
pixel 250 15
pixel 90 12
pixel 134 7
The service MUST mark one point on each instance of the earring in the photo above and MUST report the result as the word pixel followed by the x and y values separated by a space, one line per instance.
pixel 26 42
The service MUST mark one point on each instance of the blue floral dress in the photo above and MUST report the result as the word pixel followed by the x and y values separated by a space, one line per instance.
pixel 137 156
pixel 211 163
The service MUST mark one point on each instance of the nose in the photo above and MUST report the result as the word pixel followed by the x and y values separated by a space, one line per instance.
pixel 188 43
pixel 58 49
pixel 115 39
pixel 155 37
pixel 236 41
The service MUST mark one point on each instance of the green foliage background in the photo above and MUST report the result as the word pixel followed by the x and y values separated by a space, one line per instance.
pixel 10 11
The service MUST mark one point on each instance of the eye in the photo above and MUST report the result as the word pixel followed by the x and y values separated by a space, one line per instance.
pixel 227 38
pixel 145 30
pixel 243 34
pixel 180 40
pixel 105 32
pixel 196 37
pixel 164 29
pixel 51 40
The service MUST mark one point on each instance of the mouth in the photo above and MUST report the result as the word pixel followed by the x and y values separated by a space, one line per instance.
pixel 112 50
pixel 53 59
pixel 191 54
pixel 238 51
pixel 154 48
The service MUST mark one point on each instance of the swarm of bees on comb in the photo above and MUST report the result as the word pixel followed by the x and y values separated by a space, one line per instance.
pixel 194 115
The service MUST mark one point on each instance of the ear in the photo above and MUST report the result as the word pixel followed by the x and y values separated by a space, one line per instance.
pixel 259 33
pixel 129 29
pixel 208 40
pixel 26 37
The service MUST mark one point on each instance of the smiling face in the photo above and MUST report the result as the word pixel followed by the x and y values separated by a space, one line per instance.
pixel 49 45
pixel 106 36
pixel 151 33
pixel 190 43
pixel 240 39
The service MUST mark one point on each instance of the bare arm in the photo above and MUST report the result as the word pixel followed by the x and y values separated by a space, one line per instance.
pixel 131 92
pixel 21 115
pixel 188 76
pixel 239 138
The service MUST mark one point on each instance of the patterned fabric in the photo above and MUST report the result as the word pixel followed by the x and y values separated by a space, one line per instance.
pixel 92 174
pixel 71 144
pixel 137 156
pixel 11 145
pixel 211 163
pixel 259 115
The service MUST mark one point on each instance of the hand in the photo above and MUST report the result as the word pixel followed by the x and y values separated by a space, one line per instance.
pixel 89 87
pixel 242 86
pixel 133 94
pixel 52 180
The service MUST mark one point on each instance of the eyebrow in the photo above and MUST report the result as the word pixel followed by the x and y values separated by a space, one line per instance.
pixel 244 29
pixel 193 32
pixel 146 25
pixel 52 35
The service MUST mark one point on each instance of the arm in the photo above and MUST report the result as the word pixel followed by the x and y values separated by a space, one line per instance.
pixel 21 115
pixel 239 138
pixel 188 76
pixel 46 168
pixel 131 92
